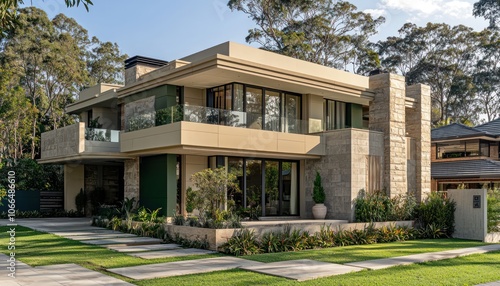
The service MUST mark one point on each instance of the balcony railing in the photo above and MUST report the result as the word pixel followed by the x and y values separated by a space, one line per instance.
pixel 208 115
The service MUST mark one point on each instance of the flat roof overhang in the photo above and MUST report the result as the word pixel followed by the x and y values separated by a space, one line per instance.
pixel 106 99
pixel 219 69
pixel 87 158
pixel 190 138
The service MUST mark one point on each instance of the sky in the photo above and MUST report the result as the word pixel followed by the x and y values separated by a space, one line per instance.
pixel 171 29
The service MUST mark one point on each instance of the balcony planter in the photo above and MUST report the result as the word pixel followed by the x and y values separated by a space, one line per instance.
pixel 319 210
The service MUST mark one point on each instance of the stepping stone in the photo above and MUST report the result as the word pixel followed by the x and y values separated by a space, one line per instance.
pixel 124 240
pixel 99 236
pixel 303 269
pixel 497 283
pixel 86 232
pixel 423 257
pixel 169 269
pixel 72 274
pixel 172 253
pixel 142 248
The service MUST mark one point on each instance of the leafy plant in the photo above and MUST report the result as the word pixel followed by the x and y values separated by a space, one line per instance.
pixel 243 242
pixel 190 200
pixel 437 212
pixel 377 206
pixel 493 212
pixel 318 195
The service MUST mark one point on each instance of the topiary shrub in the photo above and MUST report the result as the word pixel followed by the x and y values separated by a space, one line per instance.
pixel 318 194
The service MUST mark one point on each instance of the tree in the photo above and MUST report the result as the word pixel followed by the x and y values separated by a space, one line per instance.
pixel 487 75
pixel 326 32
pixel 50 61
pixel 490 10
pixel 441 56
pixel 211 186
pixel 9 11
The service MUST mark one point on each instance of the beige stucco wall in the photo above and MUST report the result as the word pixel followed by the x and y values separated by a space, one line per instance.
pixel 73 182
pixel 314 112
pixel 194 96
pixel 343 169
pixel 96 90
pixel 223 140
pixel 470 223
pixel 65 141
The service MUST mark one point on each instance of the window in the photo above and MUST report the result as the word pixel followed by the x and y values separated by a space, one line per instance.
pixel 469 148
pixel 337 114
pixel 258 107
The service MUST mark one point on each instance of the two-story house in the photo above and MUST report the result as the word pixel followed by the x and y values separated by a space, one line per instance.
pixel 270 119
pixel 466 157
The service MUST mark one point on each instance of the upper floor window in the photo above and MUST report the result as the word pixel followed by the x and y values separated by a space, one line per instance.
pixel 258 107
pixel 469 148
pixel 337 114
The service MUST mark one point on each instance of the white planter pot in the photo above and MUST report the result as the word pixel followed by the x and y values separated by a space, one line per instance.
pixel 319 211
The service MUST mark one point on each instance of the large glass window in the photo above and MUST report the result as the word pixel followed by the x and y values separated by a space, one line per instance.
pixel 253 191
pixel 257 107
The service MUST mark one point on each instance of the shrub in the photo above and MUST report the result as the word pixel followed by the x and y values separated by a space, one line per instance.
pixel 244 242
pixel 436 215
pixel 81 201
pixel 318 195
pixel 377 206
pixel 493 210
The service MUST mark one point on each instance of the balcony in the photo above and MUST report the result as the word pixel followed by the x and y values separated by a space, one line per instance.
pixel 208 131
pixel 76 142
pixel 214 116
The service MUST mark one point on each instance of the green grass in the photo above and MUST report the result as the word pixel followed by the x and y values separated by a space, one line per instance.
pixel 38 248
pixel 368 252
pixel 469 270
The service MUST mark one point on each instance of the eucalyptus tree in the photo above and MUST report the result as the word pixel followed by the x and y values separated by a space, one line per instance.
pixel 490 10
pixel 326 32
pixel 441 56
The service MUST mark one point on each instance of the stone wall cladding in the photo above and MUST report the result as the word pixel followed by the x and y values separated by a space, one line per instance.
pixel 134 73
pixel 131 179
pixel 343 169
pixel 143 109
pixel 387 115
pixel 65 141
pixel 418 126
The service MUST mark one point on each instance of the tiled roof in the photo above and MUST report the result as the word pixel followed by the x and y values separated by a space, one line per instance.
pixel 492 127
pixel 466 169
pixel 455 130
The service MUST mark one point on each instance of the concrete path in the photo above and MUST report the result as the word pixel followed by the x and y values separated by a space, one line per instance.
pixel 172 253
pixel 497 283
pixel 423 257
pixel 169 269
pixel 143 248
pixel 302 270
pixel 54 275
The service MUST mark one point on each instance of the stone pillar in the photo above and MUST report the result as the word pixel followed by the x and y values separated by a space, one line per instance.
pixel 131 179
pixel 73 182
pixel 387 115
pixel 418 126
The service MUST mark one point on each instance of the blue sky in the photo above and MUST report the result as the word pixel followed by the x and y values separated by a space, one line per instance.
pixel 170 29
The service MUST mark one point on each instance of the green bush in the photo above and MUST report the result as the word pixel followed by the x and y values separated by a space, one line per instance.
pixel 493 210
pixel 246 243
pixel 318 195
pixel 436 215
pixel 81 202
pixel 377 206
pixel 33 176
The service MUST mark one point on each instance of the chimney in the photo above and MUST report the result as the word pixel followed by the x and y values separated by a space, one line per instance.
pixel 137 66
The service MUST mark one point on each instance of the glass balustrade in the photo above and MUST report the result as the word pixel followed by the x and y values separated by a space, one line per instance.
pixel 103 135
pixel 208 115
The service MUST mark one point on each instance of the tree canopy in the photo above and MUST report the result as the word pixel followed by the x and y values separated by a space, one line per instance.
pixel 45 63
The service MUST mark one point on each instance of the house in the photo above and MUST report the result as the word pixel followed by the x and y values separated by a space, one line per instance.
pixel 466 157
pixel 270 119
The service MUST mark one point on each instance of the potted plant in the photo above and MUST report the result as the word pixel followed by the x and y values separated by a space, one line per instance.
pixel 318 195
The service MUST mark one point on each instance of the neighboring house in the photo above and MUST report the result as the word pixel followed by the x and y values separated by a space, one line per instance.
pixel 466 157
pixel 270 119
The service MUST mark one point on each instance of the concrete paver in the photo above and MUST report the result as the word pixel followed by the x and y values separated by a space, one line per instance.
pixel 124 240
pixel 54 275
pixel 98 236
pixel 423 257
pixel 143 248
pixel 497 283
pixel 172 253
pixel 182 267
pixel 303 269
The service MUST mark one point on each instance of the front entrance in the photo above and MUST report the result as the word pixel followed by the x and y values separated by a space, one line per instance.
pixel 268 185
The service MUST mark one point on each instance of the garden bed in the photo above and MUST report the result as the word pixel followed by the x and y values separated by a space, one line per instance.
pixel 213 237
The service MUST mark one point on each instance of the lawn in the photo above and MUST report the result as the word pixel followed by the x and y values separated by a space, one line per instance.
pixel 37 248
